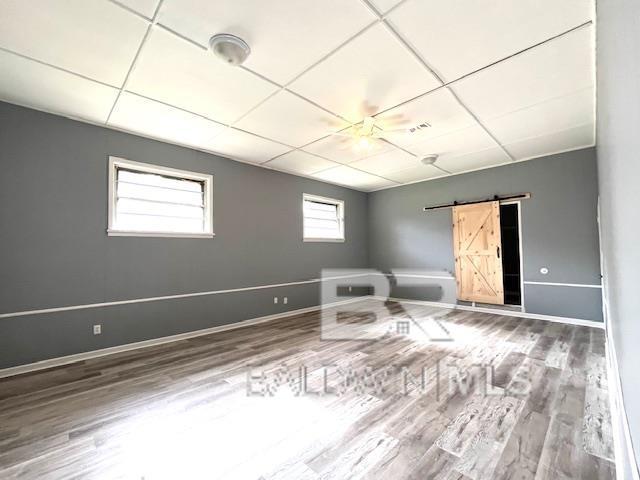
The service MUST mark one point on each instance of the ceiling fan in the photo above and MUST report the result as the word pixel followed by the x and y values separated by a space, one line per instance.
pixel 366 134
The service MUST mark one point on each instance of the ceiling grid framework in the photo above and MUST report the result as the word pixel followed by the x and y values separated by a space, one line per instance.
pixel 135 58
pixel 507 84
pixel 419 57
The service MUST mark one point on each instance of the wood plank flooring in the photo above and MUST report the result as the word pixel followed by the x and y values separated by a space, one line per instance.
pixel 503 398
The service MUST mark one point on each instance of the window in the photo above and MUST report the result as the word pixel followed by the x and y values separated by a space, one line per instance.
pixel 323 219
pixel 145 200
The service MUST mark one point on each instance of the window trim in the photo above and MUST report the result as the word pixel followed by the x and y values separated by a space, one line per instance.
pixel 341 214
pixel 117 162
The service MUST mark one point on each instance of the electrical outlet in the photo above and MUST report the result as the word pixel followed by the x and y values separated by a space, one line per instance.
pixel 285 300
pixel 275 300
pixel 97 329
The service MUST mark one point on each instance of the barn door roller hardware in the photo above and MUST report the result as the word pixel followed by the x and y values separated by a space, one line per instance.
pixel 495 198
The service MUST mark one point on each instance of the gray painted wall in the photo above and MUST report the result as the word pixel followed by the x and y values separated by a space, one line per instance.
pixel 53 208
pixel 618 81
pixel 55 251
pixel 559 227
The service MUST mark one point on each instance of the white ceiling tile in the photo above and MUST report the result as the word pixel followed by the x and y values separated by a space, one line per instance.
pixel 460 142
pixel 560 67
pixel 371 73
pixel 387 162
pixel 415 174
pixel 42 87
pixel 552 116
pixel 144 7
pixel 351 177
pixel 300 162
pixel 538 102
pixel 291 120
pixel 457 37
pixel 475 160
pixel 439 109
pixel 384 6
pixel 344 149
pixel 161 121
pixel 244 146
pixel 174 71
pixel 580 136
pixel 377 183
pixel 286 36
pixel 94 38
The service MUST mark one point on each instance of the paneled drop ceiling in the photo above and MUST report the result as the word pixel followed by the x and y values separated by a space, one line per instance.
pixel 496 82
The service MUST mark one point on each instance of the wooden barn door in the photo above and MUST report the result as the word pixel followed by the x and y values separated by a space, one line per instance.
pixel 477 248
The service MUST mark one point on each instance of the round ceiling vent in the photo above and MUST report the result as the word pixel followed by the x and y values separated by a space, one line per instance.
pixel 429 159
pixel 230 49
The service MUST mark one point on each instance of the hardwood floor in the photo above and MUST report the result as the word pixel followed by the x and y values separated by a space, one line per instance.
pixel 277 401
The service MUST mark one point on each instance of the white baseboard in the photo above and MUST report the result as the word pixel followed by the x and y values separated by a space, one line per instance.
pixel 78 357
pixel 497 311
pixel 623 445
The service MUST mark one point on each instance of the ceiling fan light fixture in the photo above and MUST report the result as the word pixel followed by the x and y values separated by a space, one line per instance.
pixel 229 49
pixel 429 159
pixel 364 143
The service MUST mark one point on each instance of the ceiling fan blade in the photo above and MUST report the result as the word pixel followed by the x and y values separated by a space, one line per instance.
pixel 396 131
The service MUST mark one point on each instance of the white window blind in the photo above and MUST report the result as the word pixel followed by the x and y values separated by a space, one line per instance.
pixel 323 219
pixel 154 200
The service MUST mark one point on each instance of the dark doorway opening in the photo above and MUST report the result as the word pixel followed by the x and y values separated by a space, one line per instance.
pixel 510 232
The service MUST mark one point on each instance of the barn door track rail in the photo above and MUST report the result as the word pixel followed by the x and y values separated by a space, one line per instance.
pixel 495 198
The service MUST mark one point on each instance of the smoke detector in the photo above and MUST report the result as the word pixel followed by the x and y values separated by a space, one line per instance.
pixel 230 49
pixel 429 159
